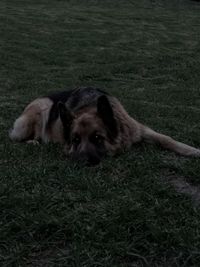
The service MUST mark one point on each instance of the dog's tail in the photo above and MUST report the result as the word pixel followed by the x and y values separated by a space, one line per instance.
pixel 22 129
pixel 167 142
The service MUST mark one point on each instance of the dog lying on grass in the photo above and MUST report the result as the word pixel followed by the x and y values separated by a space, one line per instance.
pixel 90 123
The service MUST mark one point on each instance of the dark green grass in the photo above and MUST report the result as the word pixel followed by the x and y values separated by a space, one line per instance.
pixel 123 212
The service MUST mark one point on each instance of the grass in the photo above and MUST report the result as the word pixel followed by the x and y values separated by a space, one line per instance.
pixel 124 212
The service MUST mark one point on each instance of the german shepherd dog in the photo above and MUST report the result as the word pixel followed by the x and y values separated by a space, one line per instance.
pixel 90 123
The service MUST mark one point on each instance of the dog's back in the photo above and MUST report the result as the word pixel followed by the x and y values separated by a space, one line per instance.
pixel 77 98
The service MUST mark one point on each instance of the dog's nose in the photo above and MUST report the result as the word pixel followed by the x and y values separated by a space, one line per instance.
pixel 89 160
pixel 92 161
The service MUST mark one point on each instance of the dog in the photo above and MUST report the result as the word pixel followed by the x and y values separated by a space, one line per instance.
pixel 90 123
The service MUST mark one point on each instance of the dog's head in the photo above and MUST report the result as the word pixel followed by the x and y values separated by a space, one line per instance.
pixel 91 132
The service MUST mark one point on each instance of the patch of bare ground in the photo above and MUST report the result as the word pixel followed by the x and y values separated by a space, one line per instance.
pixel 181 185
pixel 46 258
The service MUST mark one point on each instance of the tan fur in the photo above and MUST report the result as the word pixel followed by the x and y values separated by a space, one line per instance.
pixel 168 143
pixel 134 132
pixel 33 121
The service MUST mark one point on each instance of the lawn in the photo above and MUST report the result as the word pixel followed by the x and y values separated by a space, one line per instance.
pixel 125 212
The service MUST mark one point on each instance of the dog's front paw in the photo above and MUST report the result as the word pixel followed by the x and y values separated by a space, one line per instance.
pixel 33 142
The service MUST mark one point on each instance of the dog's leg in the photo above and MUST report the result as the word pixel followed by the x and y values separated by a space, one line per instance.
pixel 33 142
pixel 167 142
pixel 31 125
pixel 23 128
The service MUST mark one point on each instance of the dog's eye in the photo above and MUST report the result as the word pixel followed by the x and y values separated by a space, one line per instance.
pixel 97 139
pixel 76 140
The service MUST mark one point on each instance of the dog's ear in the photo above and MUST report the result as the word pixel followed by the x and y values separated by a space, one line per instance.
pixel 65 115
pixel 66 118
pixel 105 112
